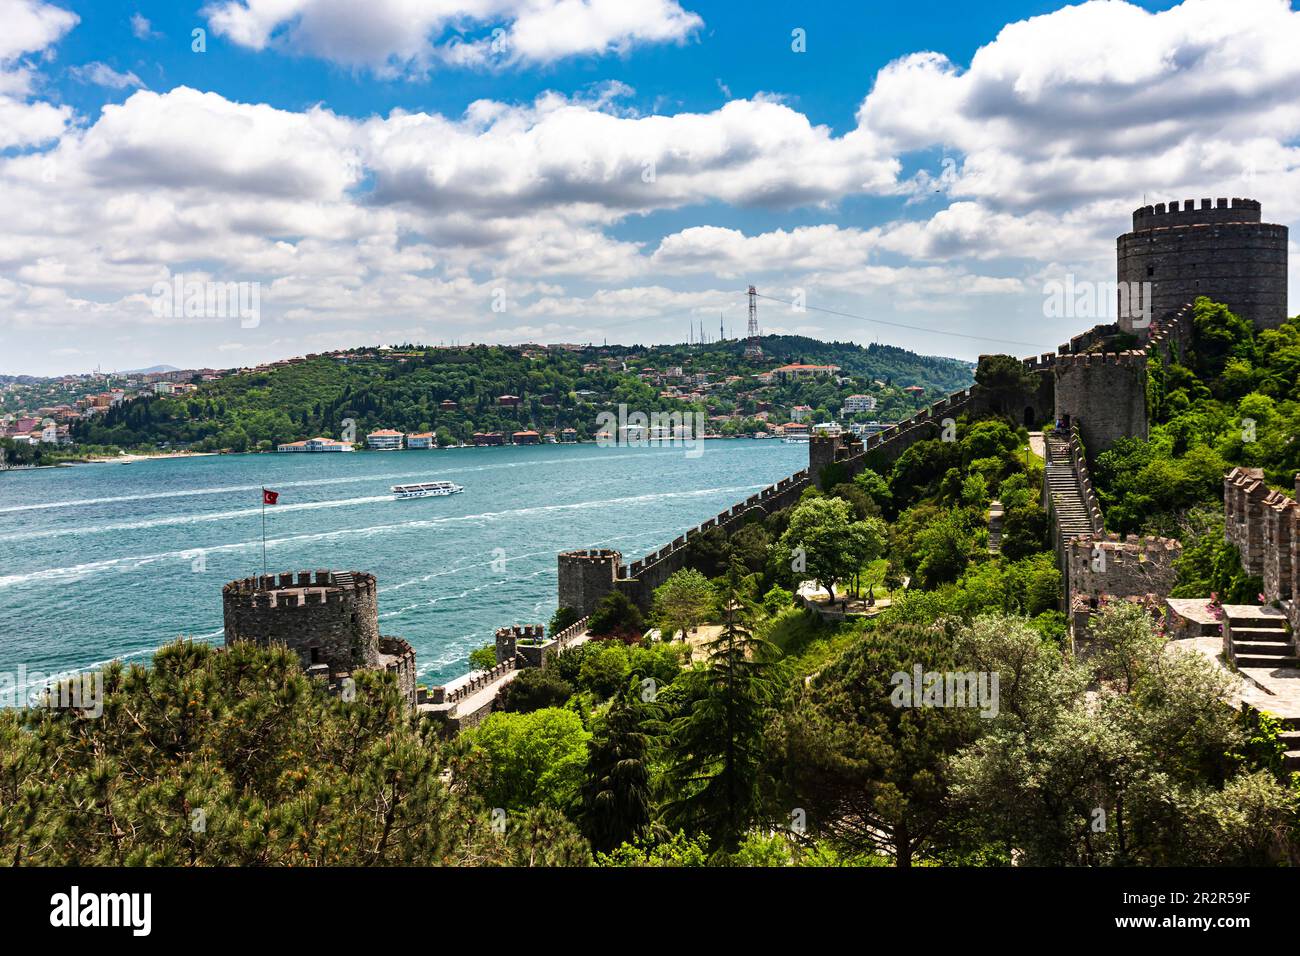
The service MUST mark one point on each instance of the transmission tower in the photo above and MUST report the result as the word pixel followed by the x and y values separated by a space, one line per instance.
pixel 752 348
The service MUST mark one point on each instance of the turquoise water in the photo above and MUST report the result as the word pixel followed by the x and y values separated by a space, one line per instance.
pixel 110 561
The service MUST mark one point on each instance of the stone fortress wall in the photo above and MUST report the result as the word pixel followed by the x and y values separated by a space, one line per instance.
pixel 467 701
pixel 586 576
pixel 1223 249
pixel 1264 525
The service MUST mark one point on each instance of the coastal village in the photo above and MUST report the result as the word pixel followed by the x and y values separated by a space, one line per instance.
pixel 47 411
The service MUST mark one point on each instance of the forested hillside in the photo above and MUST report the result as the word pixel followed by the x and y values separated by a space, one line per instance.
pixel 558 388
pixel 1232 400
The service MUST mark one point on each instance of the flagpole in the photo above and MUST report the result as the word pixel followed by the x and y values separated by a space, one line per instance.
pixel 263 532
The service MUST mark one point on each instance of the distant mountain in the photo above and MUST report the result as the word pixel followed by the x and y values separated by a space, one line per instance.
pixel 151 370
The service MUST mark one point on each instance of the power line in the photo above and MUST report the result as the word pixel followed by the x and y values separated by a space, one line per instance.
pixel 903 325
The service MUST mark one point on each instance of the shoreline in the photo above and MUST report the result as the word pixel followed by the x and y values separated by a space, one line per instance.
pixel 127 457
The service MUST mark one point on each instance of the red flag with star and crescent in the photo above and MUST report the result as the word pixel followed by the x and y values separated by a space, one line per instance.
pixel 270 497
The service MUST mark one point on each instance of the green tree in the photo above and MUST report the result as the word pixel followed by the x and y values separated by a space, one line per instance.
pixel 534 688
pixel 1131 759
pixel 870 773
pixel 483 658
pixel 616 796
pixel 1011 386
pixel 530 759
pixel 683 602
pixel 715 748
pixel 617 616
pixel 238 759
pixel 824 540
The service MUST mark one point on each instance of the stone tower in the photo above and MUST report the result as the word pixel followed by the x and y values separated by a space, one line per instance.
pixel 1222 250
pixel 586 577
pixel 1105 393
pixel 330 619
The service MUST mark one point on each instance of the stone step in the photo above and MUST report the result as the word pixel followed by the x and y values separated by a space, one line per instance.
pixel 1257 623
pixel 1290 739
pixel 1291 760
pixel 1259 634
pixel 1291 723
pixel 1271 663
pixel 1261 648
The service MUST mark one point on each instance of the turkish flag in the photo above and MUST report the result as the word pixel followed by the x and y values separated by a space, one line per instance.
pixel 270 497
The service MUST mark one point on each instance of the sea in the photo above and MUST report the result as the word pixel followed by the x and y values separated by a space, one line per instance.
pixel 111 561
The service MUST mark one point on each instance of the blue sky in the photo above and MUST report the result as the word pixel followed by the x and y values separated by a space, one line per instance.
pixel 613 169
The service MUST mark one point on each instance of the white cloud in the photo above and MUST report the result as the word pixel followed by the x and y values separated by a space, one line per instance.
pixel 1101 100
pixel 101 74
pixel 1056 129
pixel 29 27
pixel 395 36
pixel 142 28
pixel 568 155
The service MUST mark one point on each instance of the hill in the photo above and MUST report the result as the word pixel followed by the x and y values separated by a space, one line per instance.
pixel 407 388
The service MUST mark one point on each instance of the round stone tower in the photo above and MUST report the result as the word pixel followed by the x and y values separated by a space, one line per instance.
pixel 326 617
pixel 1223 250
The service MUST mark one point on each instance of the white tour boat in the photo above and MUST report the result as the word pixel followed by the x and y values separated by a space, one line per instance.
pixel 426 489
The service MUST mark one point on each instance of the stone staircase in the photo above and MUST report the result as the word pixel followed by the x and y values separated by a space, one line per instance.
pixel 1290 736
pixel 996 514
pixel 1254 639
pixel 1067 502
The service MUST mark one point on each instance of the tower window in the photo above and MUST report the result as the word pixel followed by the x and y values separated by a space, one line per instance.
pixel 1151 270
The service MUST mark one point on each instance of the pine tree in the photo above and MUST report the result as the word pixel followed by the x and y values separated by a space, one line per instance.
pixel 717 744
pixel 617 803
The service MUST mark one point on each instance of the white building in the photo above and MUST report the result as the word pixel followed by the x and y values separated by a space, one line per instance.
pixel 385 439
pixel 856 404
pixel 315 444
pixel 422 440
pixel 801 413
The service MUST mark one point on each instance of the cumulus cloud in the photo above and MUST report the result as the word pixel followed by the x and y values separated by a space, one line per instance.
pixel 394 36
pixel 1102 100
pixel 570 155
pixel 1057 128
pixel 30 27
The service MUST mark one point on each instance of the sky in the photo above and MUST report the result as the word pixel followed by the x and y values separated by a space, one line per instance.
pixel 506 171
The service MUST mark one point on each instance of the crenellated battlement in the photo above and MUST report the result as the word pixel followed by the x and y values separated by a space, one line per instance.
pixel 1130 358
pixel 298 588
pixel 1102 566
pixel 1128 543
pixel 1083 477
pixel 1263 524
pixel 1187 213
pixel 591 556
